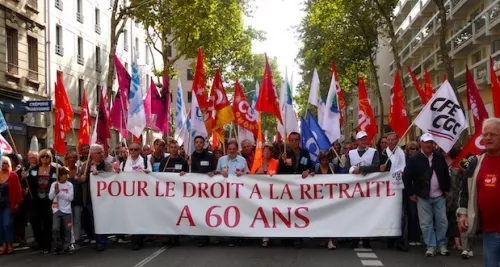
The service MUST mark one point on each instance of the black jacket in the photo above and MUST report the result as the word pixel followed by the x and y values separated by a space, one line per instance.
pixel 418 174
pixel 203 162
pixel 168 164
pixel 35 188
pixel 304 163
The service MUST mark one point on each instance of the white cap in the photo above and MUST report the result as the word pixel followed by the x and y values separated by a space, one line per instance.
pixel 361 134
pixel 426 137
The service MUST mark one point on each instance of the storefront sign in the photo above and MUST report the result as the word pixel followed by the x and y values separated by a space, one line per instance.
pixel 17 128
pixel 39 106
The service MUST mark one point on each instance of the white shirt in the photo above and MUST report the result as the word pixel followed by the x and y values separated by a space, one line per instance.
pixel 62 200
pixel 135 165
pixel 109 159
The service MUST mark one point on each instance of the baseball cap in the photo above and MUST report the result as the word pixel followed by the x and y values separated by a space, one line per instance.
pixel 426 137
pixel 361 134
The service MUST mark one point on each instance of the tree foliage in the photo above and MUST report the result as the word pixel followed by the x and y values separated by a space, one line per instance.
pixel 342 30
pixel 215 25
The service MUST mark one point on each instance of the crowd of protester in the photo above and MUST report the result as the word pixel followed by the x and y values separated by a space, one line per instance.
pixel 54 195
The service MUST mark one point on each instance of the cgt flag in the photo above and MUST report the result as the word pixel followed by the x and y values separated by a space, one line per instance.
pixel 397 113
pixel 443 117
pixel 366 120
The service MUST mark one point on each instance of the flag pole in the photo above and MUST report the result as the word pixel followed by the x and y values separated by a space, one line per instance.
pixel 12 140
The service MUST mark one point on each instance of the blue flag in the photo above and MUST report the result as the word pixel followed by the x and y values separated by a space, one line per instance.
pixel 3 123
pixel 319 134
pixel 309 143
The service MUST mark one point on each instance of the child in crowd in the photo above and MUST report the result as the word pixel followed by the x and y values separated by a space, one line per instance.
pixel 61 194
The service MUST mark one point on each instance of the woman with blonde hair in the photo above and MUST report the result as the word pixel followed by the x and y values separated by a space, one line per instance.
pixel 11 198
pixel 40 178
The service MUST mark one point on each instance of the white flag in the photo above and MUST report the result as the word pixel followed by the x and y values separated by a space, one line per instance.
pixel 93 138
pixel 314 93
pixel 287 112
pixel 136 121
pixel 181 119
pixel 196 120
pixel 443 118
pixel 331 117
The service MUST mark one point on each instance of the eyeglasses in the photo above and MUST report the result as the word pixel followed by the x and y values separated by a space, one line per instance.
pixel 133 149
pixel 490 135
pixel 44 156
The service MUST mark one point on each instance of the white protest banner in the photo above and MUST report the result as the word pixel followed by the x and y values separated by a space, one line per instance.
pixel 249 206
pixel 443 117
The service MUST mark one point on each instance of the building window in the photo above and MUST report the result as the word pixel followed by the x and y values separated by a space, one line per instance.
pixel 476 57
pixel 12 51
pixel 98 59
pixel 190 74
pixel 97 21
pixel 98 94
pixel 495 46
pixel 79 11
pixel 169 51
pixel 79 56
pixel 59 47
pixel 33 58
pixel 59 4
pixel 126 66
pixel 32 4
pixel 190 97
pixel 80 92
pixel 125 40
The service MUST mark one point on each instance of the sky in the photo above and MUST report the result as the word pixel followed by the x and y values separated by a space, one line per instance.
pixel 278 19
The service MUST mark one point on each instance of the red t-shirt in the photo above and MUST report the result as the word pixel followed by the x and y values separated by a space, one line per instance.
pixel 488 189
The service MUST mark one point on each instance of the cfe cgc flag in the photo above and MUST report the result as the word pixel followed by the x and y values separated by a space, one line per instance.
pixel 443 117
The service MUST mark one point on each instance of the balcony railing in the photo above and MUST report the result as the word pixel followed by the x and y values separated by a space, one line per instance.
pixel 33 4
pixel 33 75
pixel 79 59
pixel 79 17
pixel 462 36
pixel 98 29
pixel 12 69
pixel 59 4
pixel 494 13
pixel 59 50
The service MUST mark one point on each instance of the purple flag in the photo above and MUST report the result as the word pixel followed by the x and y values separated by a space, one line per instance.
pixel 153 106
pixel 119 110
pixel 163 106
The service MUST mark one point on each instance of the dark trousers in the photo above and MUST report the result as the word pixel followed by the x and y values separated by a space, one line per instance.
pixel 414 231
pixel 41 219
pixel 88 222
pixel 20 224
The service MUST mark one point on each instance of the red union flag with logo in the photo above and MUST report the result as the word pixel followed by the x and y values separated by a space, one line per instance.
pixel 63 114
pixel 443 117
pixel 366 120
pixel 242 110
pixel 476 105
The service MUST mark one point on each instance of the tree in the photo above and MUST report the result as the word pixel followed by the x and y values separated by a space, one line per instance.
pixel 216 26
pixel 340 30
pixel 444 49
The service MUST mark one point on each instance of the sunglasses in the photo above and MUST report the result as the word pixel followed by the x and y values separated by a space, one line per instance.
pixel 44 156
pixel 413 148
pixel 133 149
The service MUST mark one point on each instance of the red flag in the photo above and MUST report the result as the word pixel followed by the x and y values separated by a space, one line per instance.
pixel 417 85
pixel 119 110
pixel 103 123
pixel 428 87
pixel 259 157
pixel 215 142
pixel 220 112
pixel 268 100
pixel 339 92
pixel 241 109
pixel 163 111
pixel 474 101
pixel 495 89
pixel 445 77
pixel 63 114
pixel 85 122
pixel 397 113
pixel 199 84
pixel 366 120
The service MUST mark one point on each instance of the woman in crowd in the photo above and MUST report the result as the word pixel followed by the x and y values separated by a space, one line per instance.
pixel 325 166
pixel 10 199
pixel 70 161
pixel 20 216
pixel 460 241
pixel 269 166
pixel 39 179
pixel 414 231
pixel 381 148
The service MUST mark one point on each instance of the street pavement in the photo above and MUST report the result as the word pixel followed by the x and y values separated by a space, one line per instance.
pixel 188 254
